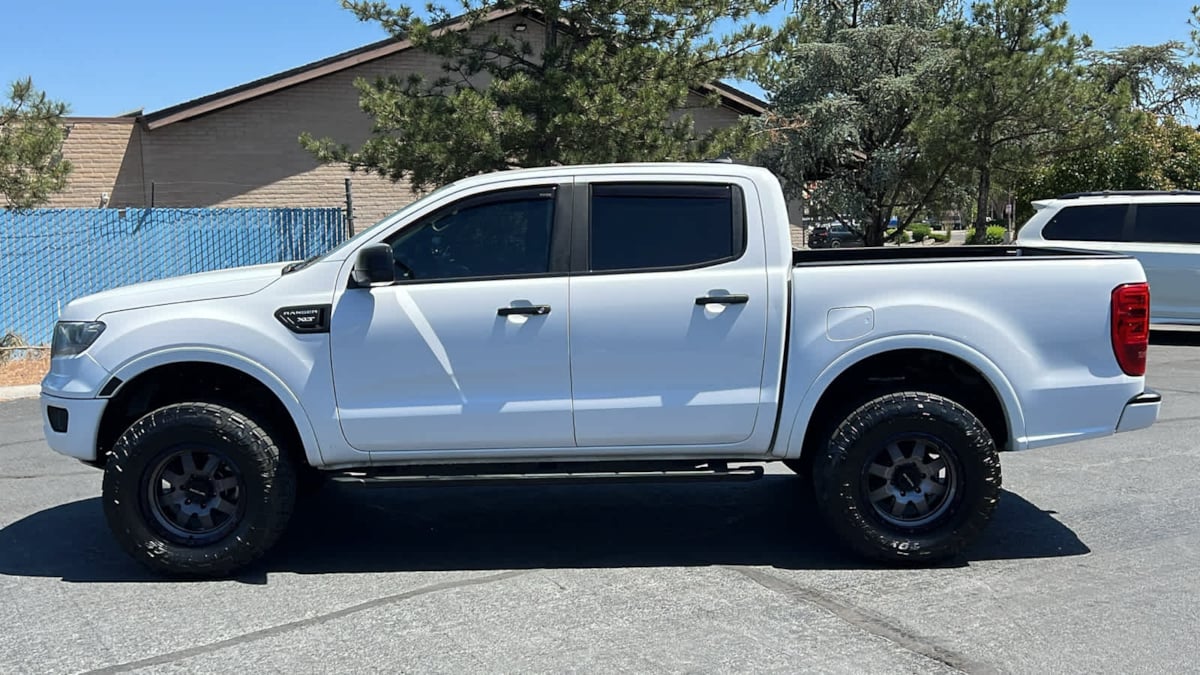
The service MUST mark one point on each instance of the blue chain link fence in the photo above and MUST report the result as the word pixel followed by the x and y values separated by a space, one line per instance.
pixel 50 256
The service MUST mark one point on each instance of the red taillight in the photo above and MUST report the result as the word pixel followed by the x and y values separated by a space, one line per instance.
pixel 1131 326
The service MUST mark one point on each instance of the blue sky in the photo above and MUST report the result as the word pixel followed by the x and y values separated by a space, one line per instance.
pixel 106 57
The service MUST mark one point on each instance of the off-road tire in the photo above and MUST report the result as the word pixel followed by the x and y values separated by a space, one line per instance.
pixel 267 474
pixel 840 478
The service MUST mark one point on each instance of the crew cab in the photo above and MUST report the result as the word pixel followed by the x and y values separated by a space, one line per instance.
pixel 636 322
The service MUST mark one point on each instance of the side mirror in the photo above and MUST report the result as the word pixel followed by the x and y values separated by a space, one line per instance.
pixel 375 266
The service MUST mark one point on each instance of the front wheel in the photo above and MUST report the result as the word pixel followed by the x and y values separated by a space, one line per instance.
pixel 908 478
pixel 196 489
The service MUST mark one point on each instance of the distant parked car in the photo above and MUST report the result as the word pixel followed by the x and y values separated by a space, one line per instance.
pixel 834 235
pixel 1160 229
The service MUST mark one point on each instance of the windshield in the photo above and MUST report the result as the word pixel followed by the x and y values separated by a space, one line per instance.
pixel 368 231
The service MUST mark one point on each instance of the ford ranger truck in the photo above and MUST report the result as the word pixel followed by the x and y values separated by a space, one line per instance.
pixel 632 322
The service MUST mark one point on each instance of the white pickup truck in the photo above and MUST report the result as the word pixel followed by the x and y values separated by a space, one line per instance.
pixel 632 322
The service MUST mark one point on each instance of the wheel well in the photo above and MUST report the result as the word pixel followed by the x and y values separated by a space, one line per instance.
pixel 198 381
pixel 906 370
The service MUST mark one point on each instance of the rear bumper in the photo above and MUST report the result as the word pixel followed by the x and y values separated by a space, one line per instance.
pixel 1140 412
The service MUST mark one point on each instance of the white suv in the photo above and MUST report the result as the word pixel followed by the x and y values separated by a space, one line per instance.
pixel 1160 229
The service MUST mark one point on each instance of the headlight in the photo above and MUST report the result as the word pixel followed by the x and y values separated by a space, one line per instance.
pixel 73 337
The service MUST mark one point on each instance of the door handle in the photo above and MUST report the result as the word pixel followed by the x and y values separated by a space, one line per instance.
pixel 723 299
pixel 535 310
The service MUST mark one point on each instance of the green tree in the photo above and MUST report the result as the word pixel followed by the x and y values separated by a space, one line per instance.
pixel 1158 79
pixel 1150 154
pixel 1157 85
pixel 589 81
pixel 31 139
pixel 852 82
pixel 1021 93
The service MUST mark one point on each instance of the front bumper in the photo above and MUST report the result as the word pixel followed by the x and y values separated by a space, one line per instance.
pixel 1140 412
pixel 79 421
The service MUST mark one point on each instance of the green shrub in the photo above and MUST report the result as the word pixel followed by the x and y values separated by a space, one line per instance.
pixel 939 237
pixel 995 234
pixel 920 231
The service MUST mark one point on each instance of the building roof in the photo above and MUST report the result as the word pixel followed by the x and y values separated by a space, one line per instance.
pixel 731 97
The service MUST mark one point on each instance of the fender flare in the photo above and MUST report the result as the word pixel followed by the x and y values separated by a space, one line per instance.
pixel 145 362
pixel 1010 403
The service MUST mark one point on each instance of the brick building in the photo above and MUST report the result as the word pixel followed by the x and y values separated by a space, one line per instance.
pixel 239 147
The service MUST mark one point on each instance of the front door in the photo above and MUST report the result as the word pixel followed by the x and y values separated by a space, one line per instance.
pixel 668 315
pixel 468 349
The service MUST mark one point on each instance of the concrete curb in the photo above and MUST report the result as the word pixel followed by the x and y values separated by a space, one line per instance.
pixel 25 391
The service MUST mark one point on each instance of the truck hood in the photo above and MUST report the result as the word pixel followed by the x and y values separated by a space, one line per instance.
pixel 229 283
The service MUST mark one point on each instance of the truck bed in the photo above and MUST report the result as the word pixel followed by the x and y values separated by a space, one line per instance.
pixel 936 253
pixel 1035 322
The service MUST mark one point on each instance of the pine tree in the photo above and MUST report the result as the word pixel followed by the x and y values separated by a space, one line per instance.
pixel 852 82
pixel 31 139
pixel 588 81
pixel 1020 93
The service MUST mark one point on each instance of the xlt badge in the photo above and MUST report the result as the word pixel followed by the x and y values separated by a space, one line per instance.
pixel 305 319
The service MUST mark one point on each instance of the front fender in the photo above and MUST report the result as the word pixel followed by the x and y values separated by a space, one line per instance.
pixel 148 361
pixel 800 413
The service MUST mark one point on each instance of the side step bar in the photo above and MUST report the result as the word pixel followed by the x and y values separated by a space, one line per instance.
pixel 511 475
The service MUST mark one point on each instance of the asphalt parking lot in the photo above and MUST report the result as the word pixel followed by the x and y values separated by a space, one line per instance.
pixel 1089 566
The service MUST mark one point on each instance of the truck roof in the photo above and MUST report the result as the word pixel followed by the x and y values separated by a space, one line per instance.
pixel 624 169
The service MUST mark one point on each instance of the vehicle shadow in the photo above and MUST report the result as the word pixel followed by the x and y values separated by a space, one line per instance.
pixel 347 530
pixel 1177 338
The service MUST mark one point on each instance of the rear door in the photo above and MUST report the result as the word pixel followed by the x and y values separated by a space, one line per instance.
pixel 669 312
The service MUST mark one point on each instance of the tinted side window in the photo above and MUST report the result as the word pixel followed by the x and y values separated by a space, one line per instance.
pixel 1087 223
pixel 1168 223
pixel 501 234
pixel 649 226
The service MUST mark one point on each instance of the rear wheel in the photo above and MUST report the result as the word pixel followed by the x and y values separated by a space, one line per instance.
pixel 908 478
pixel 196 489
pixel 835 243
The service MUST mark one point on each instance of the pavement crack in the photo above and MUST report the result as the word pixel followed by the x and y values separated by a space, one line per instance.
pixel 554 581
pixel 46 475
pixel 20 442
pixel 280 629
pixel 1169 390
pixel 1170 420
pixel 867 621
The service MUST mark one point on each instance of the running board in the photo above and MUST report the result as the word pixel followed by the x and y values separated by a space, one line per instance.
pixel 715 472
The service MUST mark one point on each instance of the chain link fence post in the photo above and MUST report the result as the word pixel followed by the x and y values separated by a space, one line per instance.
pixel 349 209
